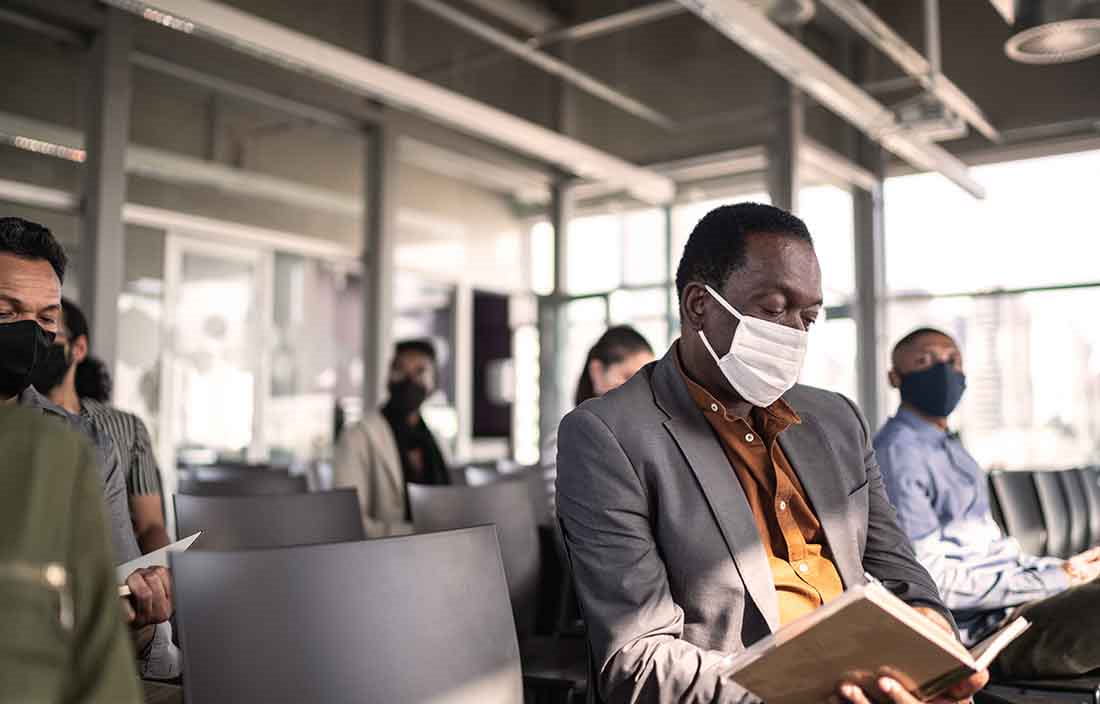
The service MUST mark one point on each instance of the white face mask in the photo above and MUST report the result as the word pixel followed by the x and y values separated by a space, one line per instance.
pixel 764 359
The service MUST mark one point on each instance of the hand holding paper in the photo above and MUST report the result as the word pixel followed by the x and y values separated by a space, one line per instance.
pixel 148 584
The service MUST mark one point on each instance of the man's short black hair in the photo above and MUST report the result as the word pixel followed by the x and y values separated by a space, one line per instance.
pixel 912 336
pixel 422 346
pixel 75 322
pixel 30 240
pixel 716 247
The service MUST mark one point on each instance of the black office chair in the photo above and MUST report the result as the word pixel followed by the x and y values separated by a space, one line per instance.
pixel 1052 499
pixel 1090 485
pixel 422 618
pixel 261 484
pixel 272 521
pixel 1019 505
pixel 556 666
pixel 1074 492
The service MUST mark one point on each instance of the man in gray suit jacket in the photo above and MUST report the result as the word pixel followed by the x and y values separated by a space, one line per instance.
pixel 710 500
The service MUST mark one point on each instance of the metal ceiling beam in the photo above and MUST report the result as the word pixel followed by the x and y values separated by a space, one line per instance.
pixel 609 24
pixel 550 64
pixel 754 32
pixel 65 143
pixel 876 31
pixel 299 52
pixel 529 16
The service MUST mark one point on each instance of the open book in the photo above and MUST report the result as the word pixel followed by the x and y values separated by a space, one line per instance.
pixel 157 558
pixel 852 638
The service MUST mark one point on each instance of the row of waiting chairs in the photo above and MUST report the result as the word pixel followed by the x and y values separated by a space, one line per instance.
pixel 1050 513
pixel 237 510
pixel 1055 513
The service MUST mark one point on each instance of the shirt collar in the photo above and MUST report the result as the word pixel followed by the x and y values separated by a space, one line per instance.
pixel 924 430
pixel 30 398
pixel 780 410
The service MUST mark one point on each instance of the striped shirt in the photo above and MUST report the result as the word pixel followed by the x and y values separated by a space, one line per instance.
pixel 132 443
pixel 942 501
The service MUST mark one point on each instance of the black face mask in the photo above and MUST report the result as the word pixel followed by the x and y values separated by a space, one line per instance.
pixel 935 391
pixel 50 372
pixel 406 395
pixel 23 346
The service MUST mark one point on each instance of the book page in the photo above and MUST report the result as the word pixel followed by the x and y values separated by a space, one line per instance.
pixel 985 652
pixel 157 558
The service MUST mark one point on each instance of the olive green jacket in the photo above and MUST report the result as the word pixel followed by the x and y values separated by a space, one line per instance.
pixel 62 638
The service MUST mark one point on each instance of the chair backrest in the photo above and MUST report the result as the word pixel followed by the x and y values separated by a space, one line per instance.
pixel 421 618
pixel 271 521
pixel 262 483
pixel 227 472
pixel 480 476
pixel 1090 484
pixel 1078 504
pixel 1052 499
pixel 1019 504
pixel 505 504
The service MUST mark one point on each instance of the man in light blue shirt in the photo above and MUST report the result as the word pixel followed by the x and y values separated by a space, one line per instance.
pixel 942 501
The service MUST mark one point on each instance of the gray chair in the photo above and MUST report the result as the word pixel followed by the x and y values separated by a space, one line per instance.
pixel 1078 504
pixel 505 504
pixel 225 473
pixel 539 486
pixel 552 667
pixel 261 484
pixel 422 618
pixel 271 521
pixel 1052 499
pixel 1019 505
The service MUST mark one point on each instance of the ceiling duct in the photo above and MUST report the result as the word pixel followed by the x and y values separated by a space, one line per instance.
pixel 1054 31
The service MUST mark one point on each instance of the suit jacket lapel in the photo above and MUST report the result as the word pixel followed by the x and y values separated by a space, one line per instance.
pixel 814 461
pixel 723 492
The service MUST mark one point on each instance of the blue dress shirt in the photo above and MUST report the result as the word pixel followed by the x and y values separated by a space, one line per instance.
pixel 942 501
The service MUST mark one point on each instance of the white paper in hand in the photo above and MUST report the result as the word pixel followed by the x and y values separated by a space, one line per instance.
pixel 157 558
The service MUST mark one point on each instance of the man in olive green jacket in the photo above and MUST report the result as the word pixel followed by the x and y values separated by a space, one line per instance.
pixel 62 637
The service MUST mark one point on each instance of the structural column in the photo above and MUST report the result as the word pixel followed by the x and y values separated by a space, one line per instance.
pixel 784 145
pixel 103 236
pixel 552 317
pixel 870 268
pixel 379 217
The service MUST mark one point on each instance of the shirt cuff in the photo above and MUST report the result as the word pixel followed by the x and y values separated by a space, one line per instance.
pixel 162 660
pixel 1054 578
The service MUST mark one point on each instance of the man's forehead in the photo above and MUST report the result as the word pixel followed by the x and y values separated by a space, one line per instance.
pixel 28 276
pixel 778 260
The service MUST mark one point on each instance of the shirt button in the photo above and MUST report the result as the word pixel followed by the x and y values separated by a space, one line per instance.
pixel 749 437
pixel 782 505
pixel 803 568
pixel 714 407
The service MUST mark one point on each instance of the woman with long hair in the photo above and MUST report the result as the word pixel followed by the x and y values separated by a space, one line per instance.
pixel 619 353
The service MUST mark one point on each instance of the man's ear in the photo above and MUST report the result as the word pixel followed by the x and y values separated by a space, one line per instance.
pixel 894 378
pixel 80 349
pixel 693 305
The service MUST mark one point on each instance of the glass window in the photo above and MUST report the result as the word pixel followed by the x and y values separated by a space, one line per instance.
pixel 827 212
pixel 542 258
pixel 594 253
pixel 644 247
pixel 585 320
pixel 1033 367
pixel 1032 229
pixel 831 357
pixel 315 359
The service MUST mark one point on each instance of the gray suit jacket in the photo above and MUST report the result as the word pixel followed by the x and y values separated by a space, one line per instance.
pixel 669 568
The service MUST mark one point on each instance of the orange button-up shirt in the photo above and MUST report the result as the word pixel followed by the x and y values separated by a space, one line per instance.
pixel 805 576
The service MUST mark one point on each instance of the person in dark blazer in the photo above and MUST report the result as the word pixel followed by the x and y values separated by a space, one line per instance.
pixel 710 499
